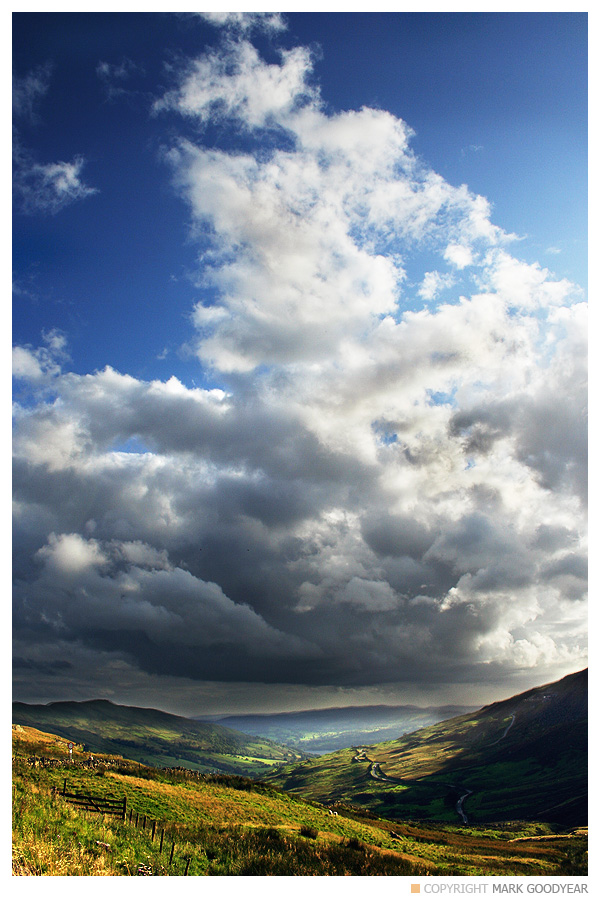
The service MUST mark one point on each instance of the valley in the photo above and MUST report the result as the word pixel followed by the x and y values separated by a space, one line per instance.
pixel 502 790
pixel 320 731
pixel 185 823
pixel 525 757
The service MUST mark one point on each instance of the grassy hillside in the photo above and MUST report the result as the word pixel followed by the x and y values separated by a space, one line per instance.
pixel 227 825
pixel 155 738
pixel 523 758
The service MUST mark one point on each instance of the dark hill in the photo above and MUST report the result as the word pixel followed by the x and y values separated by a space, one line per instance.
pixel 154 737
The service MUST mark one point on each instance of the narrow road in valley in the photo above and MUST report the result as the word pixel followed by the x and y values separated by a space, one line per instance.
pixel 459 807
pixel 376 772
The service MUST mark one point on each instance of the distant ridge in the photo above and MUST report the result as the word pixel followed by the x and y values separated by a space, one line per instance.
pixel 324 730
pixel 326 712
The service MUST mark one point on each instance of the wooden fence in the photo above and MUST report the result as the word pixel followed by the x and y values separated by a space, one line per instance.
pixel 107 805
pixel 119 808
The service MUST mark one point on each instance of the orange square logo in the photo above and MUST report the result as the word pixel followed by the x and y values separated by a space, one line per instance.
pixel 415 888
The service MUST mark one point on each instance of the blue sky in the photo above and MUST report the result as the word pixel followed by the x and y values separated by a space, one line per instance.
pixel 496 101
pixel 299 355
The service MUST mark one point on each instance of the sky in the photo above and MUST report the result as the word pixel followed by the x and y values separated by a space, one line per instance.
pixel 299 357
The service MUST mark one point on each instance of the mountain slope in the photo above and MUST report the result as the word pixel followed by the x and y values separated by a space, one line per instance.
pixel 521 758
pixel 323 730
pixel 226 825
pixel 154 737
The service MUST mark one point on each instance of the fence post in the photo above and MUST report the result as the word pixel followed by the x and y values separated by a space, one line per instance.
pixel 64 787
pixel 125 808
pixel 162 834
pixel 153 830
pixel 144 823
pixel 172 852
pixel 187 865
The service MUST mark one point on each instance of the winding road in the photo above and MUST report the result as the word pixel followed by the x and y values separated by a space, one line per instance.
pixel 505 732
pixel 459 807
pixel 376 772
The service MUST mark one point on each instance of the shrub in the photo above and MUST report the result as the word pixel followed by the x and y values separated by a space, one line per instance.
pixel 308 831
pixel 353 844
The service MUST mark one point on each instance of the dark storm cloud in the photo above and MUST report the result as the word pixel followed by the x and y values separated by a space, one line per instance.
pixel 46 668
pixel 396 535
pixel 240 547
